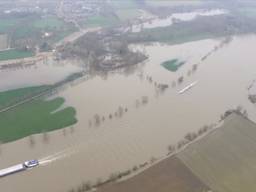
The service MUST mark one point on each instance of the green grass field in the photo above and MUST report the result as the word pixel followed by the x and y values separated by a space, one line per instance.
pixel 225 159
pixel 49 23
pixel 29 30
pixel 249 12
pixel 127 14
pixel 13 96
pixel 100 21
pixel 7 24
pixel 173 65
pixel 125 4
pixel 35 117
pixel 14 54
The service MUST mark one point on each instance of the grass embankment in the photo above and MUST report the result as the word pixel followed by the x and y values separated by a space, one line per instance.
pixel 168 175
pixel 37 116
pixel 225 159
pixel 173 65
pixel 14 54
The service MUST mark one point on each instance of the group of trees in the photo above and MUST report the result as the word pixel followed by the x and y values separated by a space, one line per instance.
pixel 113 177
pixel 46 137
pixel 239 110
pixel 188 138
pixel 143 101
pixel 97 119
pixel 94 48
pixel 192 136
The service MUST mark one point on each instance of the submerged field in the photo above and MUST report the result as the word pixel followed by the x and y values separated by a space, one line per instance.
pixel 38 116
pixel 225 159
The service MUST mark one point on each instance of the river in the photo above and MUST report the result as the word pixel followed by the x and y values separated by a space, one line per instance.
pixel 153 119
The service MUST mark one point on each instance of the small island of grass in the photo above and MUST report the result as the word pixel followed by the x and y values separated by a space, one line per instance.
pixel 173 65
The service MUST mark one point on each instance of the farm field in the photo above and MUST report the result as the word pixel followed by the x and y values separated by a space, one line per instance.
pixel 169 175
pixel 128 14
pixel 100 21
pixel 225 159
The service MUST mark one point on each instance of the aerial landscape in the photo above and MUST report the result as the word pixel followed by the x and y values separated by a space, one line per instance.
pixel 127 95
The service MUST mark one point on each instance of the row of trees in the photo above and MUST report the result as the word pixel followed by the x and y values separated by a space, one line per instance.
pixel 98 119
pixel 113 177
pixel 192 136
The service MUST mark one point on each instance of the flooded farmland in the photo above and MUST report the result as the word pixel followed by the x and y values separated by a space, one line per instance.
pixel 40 73
pixel 150 121
pixel 180 17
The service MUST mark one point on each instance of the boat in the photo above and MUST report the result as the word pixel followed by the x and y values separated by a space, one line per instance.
pixel 187 87
pixel 19 167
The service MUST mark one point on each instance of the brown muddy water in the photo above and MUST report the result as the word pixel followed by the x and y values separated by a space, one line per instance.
pixel 41 73
pixel 89 152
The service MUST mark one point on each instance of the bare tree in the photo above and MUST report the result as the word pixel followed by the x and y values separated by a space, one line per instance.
pixel 72 129
pixel 171 148
pixel 97 119
pixel 120 111
pixel 180 79
pixel 194 67
pixel 144 100
pixel 32 141
pixel 46 137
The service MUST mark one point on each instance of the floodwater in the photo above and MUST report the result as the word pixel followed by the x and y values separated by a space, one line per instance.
pixel 41 73
pixel 88 152
pixel 168 21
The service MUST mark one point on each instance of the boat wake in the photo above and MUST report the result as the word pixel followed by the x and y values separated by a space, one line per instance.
pixel 57 156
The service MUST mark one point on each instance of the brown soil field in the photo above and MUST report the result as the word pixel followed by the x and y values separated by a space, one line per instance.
pixel 167 176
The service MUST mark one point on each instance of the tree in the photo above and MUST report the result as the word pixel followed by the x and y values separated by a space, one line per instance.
pixel 97 119
pixel 171 148
pixel 72 129
pixel 32 141
pixel 153 160
pixel 144 100
pixel 135 168
pixel 180 79
pixel 86 186
pixel 194 68
pixel 120 111
pixel 45 137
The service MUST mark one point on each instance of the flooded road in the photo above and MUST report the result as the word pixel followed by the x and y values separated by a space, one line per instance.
pixel 150 120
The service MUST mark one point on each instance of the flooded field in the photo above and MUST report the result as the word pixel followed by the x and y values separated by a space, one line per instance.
pixel 40 73
pixel 168 21
pixel 105 141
